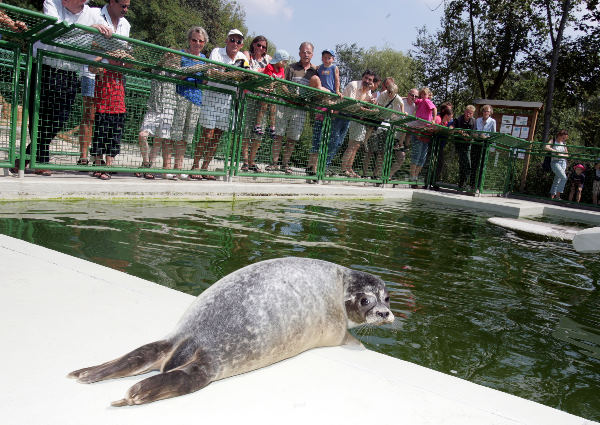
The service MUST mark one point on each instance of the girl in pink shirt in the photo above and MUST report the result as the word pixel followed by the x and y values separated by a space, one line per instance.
pixel 426 109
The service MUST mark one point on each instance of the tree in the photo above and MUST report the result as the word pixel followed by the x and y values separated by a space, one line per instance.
pixel 556 36
pixel 479 46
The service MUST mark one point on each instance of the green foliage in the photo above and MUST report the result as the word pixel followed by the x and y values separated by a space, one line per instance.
pixel 353 61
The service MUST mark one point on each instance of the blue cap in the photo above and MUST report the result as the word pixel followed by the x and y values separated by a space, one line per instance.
pixel 330 51
pixel 280 55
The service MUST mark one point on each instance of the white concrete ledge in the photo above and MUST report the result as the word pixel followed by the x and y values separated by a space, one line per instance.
pixel 587 240
pixel 59 313
pixel 536 228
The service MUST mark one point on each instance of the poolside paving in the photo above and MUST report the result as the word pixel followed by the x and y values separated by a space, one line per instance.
pixel 59 313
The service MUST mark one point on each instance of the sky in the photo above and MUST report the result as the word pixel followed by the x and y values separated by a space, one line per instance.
pixel 325 23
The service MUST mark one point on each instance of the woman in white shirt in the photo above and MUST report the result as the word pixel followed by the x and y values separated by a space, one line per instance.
pixel 558 164
pixel 483 123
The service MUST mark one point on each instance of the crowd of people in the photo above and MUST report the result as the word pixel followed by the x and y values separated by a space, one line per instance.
pixel 174 111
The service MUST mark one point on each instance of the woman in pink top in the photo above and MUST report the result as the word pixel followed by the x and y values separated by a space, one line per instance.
pixel 427 111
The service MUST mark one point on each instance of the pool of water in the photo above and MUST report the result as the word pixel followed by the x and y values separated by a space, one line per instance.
pixel 471 299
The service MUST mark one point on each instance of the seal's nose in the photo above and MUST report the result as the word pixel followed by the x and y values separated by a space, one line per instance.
pixel 383 314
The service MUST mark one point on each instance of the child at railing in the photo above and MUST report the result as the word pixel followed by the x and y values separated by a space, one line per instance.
pixel 577 181
pixel 109 120
pixel 276 69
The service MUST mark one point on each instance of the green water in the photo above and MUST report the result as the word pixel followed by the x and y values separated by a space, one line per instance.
pixel 471 300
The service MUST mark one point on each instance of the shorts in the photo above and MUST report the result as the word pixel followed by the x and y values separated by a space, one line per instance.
pixel 157 124
pixel 289 122
pixel 418 153
pixel 596 187
pixel 108 130
pixel 185 120
pixel 87 86
pixel 357 132
pixel 215 110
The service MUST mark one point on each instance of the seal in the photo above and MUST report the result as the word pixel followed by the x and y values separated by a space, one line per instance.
pixel 256 316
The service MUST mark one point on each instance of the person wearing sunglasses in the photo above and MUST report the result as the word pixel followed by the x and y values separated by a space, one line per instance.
pixel 214 115
pixel 258 59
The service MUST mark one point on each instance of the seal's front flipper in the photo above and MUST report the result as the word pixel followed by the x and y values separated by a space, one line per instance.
pixel 141 360
pixel 183 380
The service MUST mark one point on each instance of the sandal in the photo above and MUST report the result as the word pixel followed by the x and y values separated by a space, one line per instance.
pixel 83 161
pixel 209 177
pixel 254 168
pixel 351 174
pixel 104 176
pixel 96 174
pixel 144 165
pixel 43 172
pixel 245 167
pixel 271 168
pixel 196 176
pixel 287 169
pixel 149 176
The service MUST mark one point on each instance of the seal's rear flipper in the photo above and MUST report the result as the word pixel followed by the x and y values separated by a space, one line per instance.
pixel 141 360
pixel 183 380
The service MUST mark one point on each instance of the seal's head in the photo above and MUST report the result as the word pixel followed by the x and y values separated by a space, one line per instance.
pixel 367 300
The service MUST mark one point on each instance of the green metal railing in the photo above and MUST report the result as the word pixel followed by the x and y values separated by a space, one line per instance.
pixel 303 119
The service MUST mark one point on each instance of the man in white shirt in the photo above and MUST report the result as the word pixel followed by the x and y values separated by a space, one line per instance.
pixel 360 90
pixel 214 116
pixel 60 83
pixel 113 16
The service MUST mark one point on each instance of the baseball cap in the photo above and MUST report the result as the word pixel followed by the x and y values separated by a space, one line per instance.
pixel 235 31
pixel 330 51
pixel 280 55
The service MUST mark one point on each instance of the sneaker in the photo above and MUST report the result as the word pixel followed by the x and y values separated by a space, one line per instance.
pixel 272 168
pixel 169 176
pixel 258 130
pixel 244 168
pixel 254 168
pixel 271 132
pixel 287 169
pixel 184 177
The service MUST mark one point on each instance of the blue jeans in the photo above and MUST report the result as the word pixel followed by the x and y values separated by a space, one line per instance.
pixel 316 141
pixel 339 128
pixel 418 151
pixel 558 166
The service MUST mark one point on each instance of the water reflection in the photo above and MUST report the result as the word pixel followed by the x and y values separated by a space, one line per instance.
pixel 471 299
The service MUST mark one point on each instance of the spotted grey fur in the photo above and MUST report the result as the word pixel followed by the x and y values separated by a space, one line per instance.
pixel 251 318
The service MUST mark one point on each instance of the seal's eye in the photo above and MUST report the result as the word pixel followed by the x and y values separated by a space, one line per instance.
pixel 364 301
pixel 387 299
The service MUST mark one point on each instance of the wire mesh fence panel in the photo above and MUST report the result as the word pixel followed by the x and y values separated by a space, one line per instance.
pixel 412 156
pixel 497 170
pixel 22 24
pixel 11 75
pixel 129 120
pixel 276 139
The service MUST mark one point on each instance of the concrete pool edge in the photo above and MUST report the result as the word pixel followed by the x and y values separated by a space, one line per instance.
pixel 74 187
pixel 82 313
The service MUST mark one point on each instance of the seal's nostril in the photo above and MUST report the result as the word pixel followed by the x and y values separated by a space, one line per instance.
pixel 383 314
